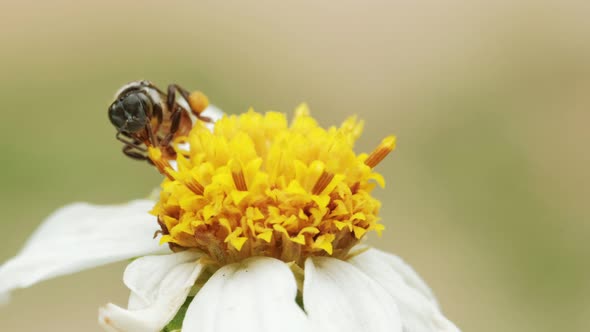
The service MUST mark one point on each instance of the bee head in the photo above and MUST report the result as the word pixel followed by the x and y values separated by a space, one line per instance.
pixel 129 113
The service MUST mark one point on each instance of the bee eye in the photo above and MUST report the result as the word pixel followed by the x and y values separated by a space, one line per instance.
pixel 117 115
pixel 136 110
pixel 130 112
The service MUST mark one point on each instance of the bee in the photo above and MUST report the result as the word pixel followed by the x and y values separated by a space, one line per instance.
pixel 145 116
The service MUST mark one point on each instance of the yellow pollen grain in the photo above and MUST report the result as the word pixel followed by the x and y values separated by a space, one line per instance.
pixel 198 101
pixel 387 145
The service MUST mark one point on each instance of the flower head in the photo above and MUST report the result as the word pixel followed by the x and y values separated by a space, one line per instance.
pixel 257 186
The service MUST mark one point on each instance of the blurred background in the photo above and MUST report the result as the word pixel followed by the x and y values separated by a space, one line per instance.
pixel 487 193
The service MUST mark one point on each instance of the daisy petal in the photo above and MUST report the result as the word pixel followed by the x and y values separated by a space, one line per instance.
pixel 339 297
pixel 144 275
pixel 160 285
pixel 213 113
pixel 255 295
pixel 81 236
pixel 416 304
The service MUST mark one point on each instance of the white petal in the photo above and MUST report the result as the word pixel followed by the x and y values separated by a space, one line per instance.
pixel 144 275
pixel 174 163
pixel 338 297
pixel 213 113
pixel 81 236
pixel 257 294
pixel 417 306
pixel 162 283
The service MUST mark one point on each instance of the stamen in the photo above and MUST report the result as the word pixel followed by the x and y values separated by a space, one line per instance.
pixel 238 176
pixel 161 164
pixel 386 146
pixel 194 186
pixel 322 183
pixel 239 180
pixel 355 187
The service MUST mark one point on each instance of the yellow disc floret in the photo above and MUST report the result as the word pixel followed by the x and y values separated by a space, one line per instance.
pixel 256 186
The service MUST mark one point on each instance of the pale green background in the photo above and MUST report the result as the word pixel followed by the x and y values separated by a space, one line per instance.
pixel 487 194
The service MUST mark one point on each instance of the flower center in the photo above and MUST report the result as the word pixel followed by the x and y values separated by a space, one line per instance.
pixel 256 186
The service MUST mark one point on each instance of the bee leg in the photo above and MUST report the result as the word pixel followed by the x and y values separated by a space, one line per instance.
pixel 153 139
pixel 130 141
pixel 158 113
pixel 171 100
pixel 175 119
pixel 171 97
pixel 129 151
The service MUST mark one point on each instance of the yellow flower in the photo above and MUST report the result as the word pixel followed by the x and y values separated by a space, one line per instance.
pixel 257 186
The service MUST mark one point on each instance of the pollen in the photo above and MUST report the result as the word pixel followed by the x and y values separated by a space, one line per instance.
pixel 198 101
pixel 259 186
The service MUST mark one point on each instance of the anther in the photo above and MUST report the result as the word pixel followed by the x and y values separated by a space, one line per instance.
pixel 161 164
pixel 355 187
pixel 238 176
pixel 194 186
pixel 386 146
pixel 322 183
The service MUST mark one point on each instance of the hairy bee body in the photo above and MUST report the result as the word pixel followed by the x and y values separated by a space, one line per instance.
pixel 146 116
